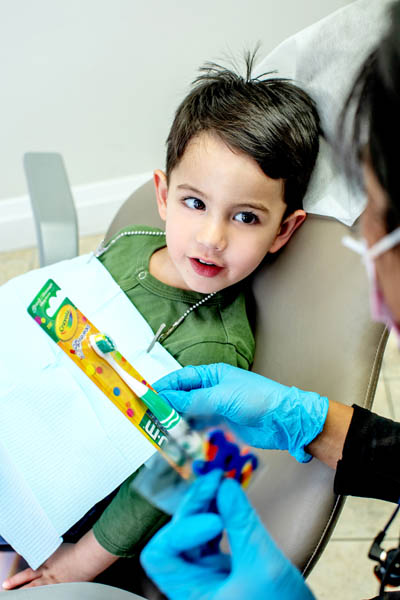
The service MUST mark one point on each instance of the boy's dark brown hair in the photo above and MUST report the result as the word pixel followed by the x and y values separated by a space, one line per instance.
pixel 271 120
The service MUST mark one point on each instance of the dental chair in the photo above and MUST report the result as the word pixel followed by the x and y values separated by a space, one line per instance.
pixel 313 326
pixel 313 330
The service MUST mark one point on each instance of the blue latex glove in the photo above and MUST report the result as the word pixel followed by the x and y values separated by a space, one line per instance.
pixel 185 566
pixel 262 412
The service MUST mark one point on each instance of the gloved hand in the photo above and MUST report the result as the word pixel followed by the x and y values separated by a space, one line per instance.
pixel 262 412
pixel 185 566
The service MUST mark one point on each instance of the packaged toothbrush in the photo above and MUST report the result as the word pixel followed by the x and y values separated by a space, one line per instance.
pixel 59 318
pixel 186 451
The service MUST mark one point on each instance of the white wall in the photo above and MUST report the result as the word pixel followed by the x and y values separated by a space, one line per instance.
pixel 99 80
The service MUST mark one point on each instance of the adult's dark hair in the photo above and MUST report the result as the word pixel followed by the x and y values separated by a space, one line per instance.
pixel 370 122
pixel 270 120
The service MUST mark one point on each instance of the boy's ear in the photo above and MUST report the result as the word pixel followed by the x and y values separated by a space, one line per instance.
pixel 287 229
pixel 161 185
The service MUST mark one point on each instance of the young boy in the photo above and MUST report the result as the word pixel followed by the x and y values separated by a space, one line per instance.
pixel 239 157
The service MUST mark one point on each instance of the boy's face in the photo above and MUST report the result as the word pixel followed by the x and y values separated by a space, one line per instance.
pixel 222 214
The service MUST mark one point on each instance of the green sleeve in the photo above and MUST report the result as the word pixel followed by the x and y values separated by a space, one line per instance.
pixel 206 353
pixel 128 522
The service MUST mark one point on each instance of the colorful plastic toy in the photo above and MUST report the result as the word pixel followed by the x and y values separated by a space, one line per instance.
pixel 222 452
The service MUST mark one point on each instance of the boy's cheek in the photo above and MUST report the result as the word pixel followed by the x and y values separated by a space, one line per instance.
pixel 248 261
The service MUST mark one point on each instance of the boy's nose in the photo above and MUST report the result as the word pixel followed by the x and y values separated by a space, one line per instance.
pixel 212 236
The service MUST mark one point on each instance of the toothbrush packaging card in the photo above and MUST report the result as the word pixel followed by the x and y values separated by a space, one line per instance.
pixel 59 318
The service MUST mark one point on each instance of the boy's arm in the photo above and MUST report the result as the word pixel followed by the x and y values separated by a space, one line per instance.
pixel 71 562
pixel 122 530
pixel 128 522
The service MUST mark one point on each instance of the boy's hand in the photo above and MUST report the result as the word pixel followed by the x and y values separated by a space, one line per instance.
pixel 184 564
pixel 56 569
pixel 71 562
pixel 262 412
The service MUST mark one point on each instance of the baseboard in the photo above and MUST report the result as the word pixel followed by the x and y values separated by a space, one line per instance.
pixel 96 205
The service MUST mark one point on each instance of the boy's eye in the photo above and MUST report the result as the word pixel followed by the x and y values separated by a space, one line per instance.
pixel 246 217
pixel 194 203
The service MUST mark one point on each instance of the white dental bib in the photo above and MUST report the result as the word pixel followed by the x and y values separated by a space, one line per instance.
pixel 63 445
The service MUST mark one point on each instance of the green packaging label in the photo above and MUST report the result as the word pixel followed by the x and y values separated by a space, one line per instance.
pixel 56 315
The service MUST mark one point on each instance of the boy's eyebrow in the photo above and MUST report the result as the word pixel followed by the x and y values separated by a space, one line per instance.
pixel 250 204
pixel 255 206
pixel 186 186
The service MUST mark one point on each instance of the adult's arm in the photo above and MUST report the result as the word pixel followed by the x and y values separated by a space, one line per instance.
pixel 364 448
pixel 328 445
pixel 370 465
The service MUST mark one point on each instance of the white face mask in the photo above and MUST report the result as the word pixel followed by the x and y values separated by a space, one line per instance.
pixel 379 309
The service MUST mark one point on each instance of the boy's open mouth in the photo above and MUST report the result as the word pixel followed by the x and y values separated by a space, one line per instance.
pixel 206 269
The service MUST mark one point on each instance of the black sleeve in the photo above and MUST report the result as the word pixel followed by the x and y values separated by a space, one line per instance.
pixel 388 596
pixel 370 465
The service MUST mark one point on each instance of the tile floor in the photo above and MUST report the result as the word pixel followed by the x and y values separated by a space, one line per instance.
pixel 344 570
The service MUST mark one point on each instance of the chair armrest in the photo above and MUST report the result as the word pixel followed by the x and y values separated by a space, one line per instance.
pixel 53 207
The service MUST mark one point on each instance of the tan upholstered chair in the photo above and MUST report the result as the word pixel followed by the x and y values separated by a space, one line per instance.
pixel 313 330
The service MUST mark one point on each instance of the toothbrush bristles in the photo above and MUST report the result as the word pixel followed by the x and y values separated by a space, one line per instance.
pixel 104 343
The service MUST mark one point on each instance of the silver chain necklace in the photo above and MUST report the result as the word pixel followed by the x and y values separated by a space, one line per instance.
pixel 160 335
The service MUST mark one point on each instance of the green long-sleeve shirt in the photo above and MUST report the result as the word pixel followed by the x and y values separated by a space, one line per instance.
pixel 217 331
